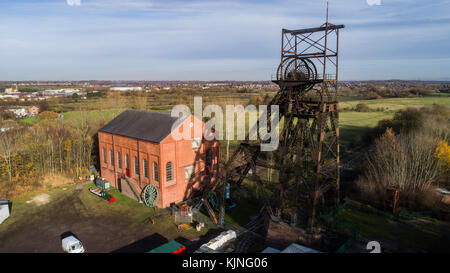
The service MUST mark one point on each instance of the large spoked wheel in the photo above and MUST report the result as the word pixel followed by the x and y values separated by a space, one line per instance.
pixel 150 195
pixel 296 69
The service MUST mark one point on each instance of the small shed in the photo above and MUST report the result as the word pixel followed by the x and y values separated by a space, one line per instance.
pixel 4 210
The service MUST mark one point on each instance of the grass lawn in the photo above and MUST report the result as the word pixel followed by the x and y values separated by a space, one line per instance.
pixel 423 233
pixel 29 119
pixel 353 125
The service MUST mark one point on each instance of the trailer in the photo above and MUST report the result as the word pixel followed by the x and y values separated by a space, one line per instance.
pixel 103 194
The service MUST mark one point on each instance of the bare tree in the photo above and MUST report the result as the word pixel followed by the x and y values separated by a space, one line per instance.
pixel 8 146
pixel 407 162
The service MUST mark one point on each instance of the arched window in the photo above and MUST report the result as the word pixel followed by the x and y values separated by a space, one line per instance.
pixel 169 171
pixel 119 160
pixel 136 166
pixel 144 162
pixel 155 171
pixel 208 158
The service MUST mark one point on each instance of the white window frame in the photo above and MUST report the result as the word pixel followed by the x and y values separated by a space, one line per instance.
pixel 171 171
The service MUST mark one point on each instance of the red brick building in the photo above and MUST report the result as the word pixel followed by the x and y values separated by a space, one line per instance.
pixel 139 145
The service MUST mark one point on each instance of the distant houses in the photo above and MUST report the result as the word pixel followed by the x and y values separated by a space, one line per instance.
pixel 127 88
pixel 22 112
pixel 62 92
pixel 19 112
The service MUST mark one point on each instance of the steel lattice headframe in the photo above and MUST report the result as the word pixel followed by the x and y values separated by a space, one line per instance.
pixel 307 157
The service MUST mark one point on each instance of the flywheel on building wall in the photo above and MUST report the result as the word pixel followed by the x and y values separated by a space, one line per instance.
pixel 150 195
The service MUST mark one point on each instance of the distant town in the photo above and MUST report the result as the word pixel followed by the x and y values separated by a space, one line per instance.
pixel 39 90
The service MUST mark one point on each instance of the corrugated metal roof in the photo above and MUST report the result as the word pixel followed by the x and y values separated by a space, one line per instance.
pixel 144 125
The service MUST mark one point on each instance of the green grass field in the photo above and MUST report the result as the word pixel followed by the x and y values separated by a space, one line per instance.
pixel 93 115
pixel 29 120
pixel 419 232
pixel 394 104
pixel 354 124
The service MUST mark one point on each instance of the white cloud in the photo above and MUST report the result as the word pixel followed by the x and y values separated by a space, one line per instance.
pixel 73 2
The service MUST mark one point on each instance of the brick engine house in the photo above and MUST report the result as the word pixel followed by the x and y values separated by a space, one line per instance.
pixel 137 148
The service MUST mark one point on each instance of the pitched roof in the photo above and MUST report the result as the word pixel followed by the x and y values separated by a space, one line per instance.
pixel 144 125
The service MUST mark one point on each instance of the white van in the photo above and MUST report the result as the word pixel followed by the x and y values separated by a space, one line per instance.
pixel 71 244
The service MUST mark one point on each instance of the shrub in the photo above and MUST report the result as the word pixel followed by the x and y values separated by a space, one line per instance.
pixel 373 96
pixel 362 107
pixel 257 100
pixel 407 162
pixel 443 156
pixel 48 115
pixel 407 120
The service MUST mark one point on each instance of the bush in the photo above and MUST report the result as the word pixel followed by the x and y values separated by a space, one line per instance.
pixel 5 114
pixel 408 120
pixel 48 115
pixel 373 96
pixel 407 162
pixel 362 107
pixel 404 121
pixel 257 100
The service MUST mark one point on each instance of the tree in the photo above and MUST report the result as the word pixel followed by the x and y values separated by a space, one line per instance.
pixel 43 106
pixel 8 146
pixel 407 162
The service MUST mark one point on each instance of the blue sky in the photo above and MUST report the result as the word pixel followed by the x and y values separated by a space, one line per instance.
pixel 215 40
